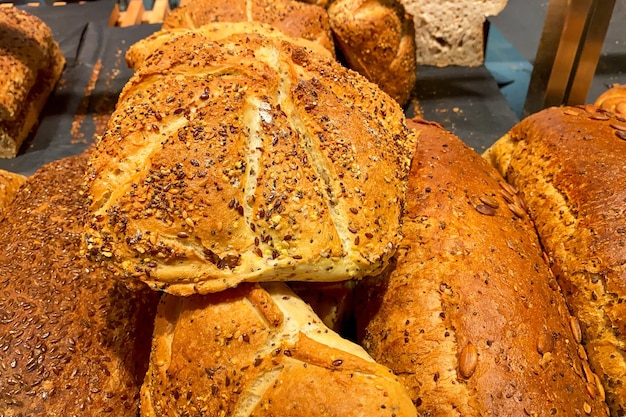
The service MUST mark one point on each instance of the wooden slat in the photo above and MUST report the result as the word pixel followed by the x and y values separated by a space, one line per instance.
pixel 133 13
pixel 158 12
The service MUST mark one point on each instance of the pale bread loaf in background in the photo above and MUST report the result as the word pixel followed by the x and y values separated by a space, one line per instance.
pixel 568 164
pixel 451 32
pixel 471 318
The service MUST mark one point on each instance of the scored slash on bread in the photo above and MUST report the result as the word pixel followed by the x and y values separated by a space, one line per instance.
pixel 259 350
pixel 235 155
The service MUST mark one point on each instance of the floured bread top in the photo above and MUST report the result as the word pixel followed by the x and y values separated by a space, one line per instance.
pixel 237 156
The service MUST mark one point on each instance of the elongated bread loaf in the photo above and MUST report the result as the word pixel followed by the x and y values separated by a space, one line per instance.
pixel 377 39
pixel 236 156
pixel 73 340
pixel 568 164
pixel 470 318
pixel 298 20
pixel 10 182
pixel 613 99
pixel 31 63
pixel 259 350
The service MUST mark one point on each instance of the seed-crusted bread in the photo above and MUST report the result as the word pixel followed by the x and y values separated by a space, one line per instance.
pixel 10 182
pixel 470 318
pixel 568 163
pixel 259 350
pixel 298 20
pixel 74 341
pixel 377 39
pixel 613 99
pixel 233 156
pixel 31 63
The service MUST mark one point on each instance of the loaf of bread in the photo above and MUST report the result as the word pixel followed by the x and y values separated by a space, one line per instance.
pixel 259 350
pixel 613 99
pixel 451 32
pixel 568 163
pixel 377 39
pixel 31 63
pixel 470 318
pixel 10 182
pixel 233 156
pixel 74 341
pixel 298 20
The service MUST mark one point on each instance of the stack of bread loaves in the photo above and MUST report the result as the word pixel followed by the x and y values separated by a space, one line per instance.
pixel 568 163
pixel 237 154
pixel 31 63
pixel 376 38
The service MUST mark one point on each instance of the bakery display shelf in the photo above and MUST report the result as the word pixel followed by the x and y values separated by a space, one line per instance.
pixel 94 40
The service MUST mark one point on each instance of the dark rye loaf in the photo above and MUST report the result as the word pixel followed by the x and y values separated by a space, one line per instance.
pixel 73 340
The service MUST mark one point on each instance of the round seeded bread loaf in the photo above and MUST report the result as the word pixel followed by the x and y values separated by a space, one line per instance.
pixel 236 156
pixel 294 18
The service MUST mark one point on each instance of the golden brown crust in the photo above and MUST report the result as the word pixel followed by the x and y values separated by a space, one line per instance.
pixel 247 159
pixel 10 182
pixel 377 39
pixel 33 63
pixel 74 340
pixel 259 350
pixel 296 19
pixel 24 46
pixel 470 317
pixel 613 99
pixel 568 164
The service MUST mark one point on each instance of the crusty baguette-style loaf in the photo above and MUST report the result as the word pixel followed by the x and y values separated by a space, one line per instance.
pixel 259 350
pixel 613 99
pixel 73 341
pixel 31 63
pixel 377 39
pixel 568 164
pixel 298 20
pixel 451 32
pixel 470 318
pixel 10 182
pixel 233 156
